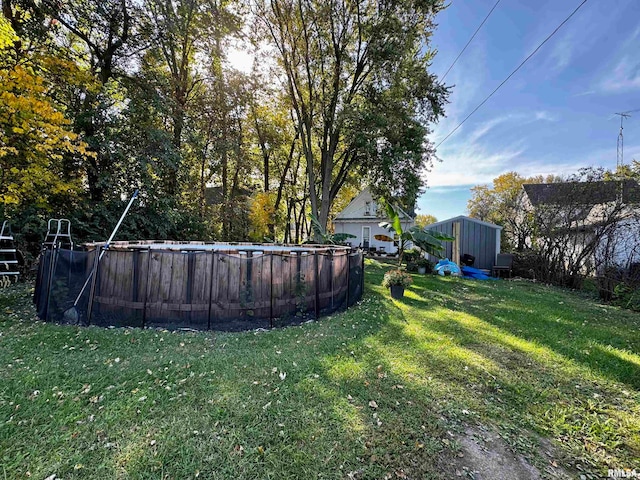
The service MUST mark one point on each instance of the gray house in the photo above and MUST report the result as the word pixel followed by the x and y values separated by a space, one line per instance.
pixel 472 237
pixel 361 218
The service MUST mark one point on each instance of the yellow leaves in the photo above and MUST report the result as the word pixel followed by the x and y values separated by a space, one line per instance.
pixel 423 220
pixel 66 72
pixel 34 138
pixel 261 215
pixel 7 35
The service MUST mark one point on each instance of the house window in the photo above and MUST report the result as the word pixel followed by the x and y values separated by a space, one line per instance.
pixel 367 208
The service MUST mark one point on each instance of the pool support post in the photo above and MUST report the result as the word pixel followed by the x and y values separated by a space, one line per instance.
pixel 316 303
pixel 270 291
pixel 146 289
pixel 92 289
pixel 213 261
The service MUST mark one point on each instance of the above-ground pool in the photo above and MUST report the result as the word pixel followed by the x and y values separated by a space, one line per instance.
pixel 219 286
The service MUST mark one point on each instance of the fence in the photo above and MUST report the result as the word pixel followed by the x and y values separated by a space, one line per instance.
pixel 202 290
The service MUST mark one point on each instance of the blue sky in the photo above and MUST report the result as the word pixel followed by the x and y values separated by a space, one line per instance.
pixel 555 115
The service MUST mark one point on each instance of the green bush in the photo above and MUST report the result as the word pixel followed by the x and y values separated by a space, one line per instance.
pixel 627 295
pixel 411 255
pixel 528 264
pixel 423 262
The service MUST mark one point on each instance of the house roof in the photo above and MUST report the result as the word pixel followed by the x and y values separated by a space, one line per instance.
pixel 353 210
pixel 464 217
pixel 582 193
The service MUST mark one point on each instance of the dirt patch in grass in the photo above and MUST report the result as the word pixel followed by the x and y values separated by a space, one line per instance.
pixel 484 455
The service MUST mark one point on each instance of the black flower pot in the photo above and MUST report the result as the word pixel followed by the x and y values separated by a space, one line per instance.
pixel 397 291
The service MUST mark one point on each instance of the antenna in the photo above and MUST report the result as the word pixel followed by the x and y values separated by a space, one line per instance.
pixel 620 145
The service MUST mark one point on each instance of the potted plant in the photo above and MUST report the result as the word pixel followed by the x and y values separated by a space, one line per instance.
pixel 423 265
pixel 396 281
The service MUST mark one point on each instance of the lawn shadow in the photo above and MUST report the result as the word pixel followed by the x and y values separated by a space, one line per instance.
pixel 567 329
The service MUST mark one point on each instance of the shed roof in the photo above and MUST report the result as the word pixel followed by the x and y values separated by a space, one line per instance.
pixel 464 217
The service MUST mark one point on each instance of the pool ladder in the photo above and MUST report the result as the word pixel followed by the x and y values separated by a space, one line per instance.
pixel 8 256
pixel 58 234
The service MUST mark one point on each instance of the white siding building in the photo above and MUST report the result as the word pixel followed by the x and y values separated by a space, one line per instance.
pixel 361 218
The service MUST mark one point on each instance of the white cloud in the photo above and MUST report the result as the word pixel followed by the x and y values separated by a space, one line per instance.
pixel 625 76
pixel 486 127
pixel 472 165
pixel 474 159
pixel 562 53
pixel 447 190
pixel 582 94
pixel 544 169
pixel 516 119
pixel 624 73
pixel 546 116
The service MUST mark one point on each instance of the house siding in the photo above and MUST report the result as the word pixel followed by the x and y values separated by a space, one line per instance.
pixel 355 228
pixel 356 215
pixel 475 239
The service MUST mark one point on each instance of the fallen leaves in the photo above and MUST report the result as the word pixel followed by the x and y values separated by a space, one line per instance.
pixel 238 450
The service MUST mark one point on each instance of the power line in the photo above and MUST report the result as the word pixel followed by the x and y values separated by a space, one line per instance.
pixel 472 37
pixel 512 73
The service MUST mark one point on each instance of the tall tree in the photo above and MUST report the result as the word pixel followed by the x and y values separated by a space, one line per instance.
pixel 101 35
pixel 345 63
pixel 182 30
pixel 422 220
pixel 501 204
pixel 34 136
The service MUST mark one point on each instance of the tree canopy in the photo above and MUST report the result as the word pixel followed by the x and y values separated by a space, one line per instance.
pixel 99 97
pixel 501 203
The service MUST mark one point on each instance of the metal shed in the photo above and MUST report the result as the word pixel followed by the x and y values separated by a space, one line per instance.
pixel 473 237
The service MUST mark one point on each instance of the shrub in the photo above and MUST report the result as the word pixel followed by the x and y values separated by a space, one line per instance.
pixel 412 267
pixel 423 262
pixel 396 277
pixel 529 264
pixel 411 255
pixel 627 295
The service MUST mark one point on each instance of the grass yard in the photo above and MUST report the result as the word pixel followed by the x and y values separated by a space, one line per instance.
pixel 384 390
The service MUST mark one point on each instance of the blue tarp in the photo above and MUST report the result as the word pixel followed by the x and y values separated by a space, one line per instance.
pixel 446 265
pixel 470 272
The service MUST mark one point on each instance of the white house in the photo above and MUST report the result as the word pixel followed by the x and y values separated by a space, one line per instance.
pixel 361 218
pixel 604 211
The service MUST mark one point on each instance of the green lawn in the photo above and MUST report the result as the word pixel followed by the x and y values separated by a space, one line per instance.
pixel 380 390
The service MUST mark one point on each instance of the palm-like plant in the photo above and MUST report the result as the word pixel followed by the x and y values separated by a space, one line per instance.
pixel 321 236
pixel 427 240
